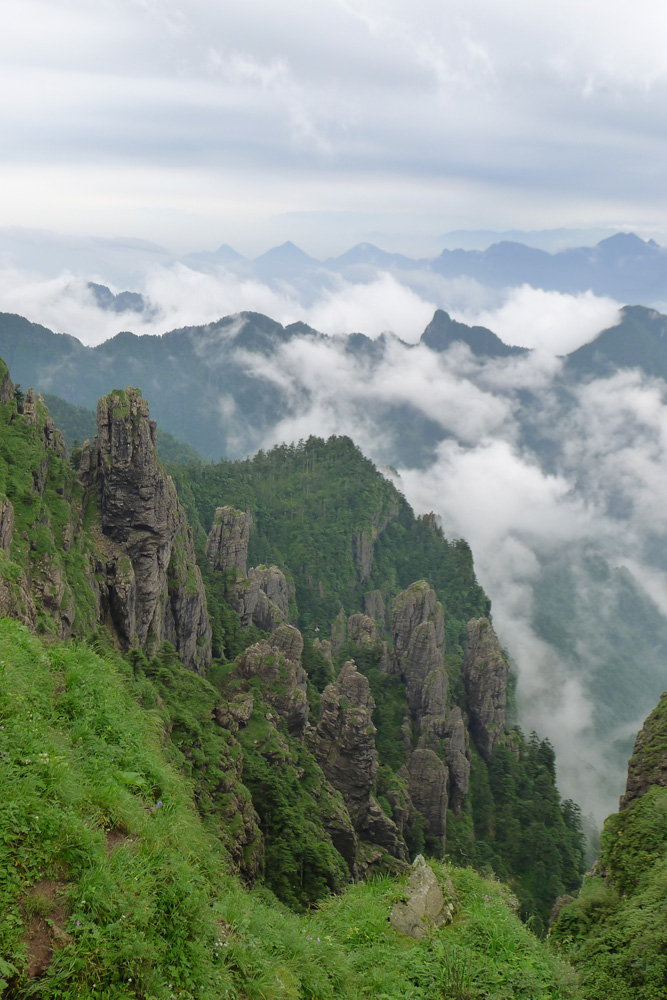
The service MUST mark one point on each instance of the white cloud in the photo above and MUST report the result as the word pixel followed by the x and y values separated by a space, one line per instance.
pixel 551 321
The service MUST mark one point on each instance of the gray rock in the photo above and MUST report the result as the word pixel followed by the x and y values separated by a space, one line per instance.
pixel 344 745
pixel 485 672
pixel 227 546
pixel 338 632
pixel 362 631
pixel 151 585
pixel 648 764
pixel 277 662
pixel 458 758
pixel 424 908
pixel 6 524
pixel 428 781
pixel 6 384
pixel 374 606
pixel 261 598
pixel 418 632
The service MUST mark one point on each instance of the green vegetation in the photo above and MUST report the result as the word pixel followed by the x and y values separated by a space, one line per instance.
pixel 615 931
pixel 340 530
pixel 45 498
pixel 103 854
pixel 135 792
pixel 326 516
pixel 515 824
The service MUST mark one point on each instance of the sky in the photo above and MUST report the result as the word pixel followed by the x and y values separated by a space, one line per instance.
pixel 331 121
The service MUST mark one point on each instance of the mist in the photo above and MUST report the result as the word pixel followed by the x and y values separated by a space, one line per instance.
pixel 593 494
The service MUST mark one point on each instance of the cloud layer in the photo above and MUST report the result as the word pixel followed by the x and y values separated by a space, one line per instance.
pixel 210 122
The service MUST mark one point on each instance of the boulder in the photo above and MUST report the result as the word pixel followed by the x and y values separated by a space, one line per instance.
pixel 424 908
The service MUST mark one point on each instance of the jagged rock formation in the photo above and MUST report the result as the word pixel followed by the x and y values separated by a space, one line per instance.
pixel 261 598
pixel 458 757
pixel 363 542
pixel 151 588
pixel 374 606
pixel 418 631
pixel 260 595
pixel 424 907
pixel 6 384
pixel 227 546
pixel 344 745
pixel 6 524
pixel 648 763
pixel 485 672
pixel 428 780
pixel 362 631
pixel 277 664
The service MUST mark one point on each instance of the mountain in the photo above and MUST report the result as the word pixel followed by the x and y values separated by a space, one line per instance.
pixel 224 388
pixel 283 263
pixel 189 372
pixel 638 341
pixel 443 331
pixel 622 266
pixel 206 260
pixel 122 302
pixel 192 720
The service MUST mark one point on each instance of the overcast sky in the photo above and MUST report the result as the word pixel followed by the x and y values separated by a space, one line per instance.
pixel 329 121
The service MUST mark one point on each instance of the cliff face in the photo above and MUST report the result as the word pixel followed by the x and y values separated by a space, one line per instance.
pixel 260 595
pixel 485 672
pixel 227 546
pixel 438 770
pixel 150 587
pixel 648 763
pixel 276 663
pixel 344 745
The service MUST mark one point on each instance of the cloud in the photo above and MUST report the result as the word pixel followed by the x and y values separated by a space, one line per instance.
pixel 551 321
pixel 493 116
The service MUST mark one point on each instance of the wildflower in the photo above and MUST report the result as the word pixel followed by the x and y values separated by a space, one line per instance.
pixel 78 923
pixel 158 805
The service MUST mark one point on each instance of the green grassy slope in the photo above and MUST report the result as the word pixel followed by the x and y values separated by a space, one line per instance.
pixel 111 887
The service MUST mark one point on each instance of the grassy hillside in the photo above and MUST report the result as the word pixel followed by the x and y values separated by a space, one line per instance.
pixel 110 885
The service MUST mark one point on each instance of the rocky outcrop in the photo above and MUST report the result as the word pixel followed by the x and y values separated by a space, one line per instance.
pixel 35 414
pixel 338 632
pixel 418 631
pixel 261 595
pixel 6 384
pixel 363 541
pixel 277 664
pixel 344 746
pixel 648 763
pixel 428 779
pixel 6 524
pixel 362 631
pixel 485 672
pixel 227 546
pixel 458 758
pixel 374 606
pixel 261 598
pixel 423 907
pixel 150 587
pixel 344 741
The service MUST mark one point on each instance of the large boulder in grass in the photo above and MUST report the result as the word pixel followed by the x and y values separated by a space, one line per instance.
pixel 424 907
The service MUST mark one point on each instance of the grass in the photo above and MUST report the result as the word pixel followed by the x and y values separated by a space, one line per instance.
pixel 146 905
